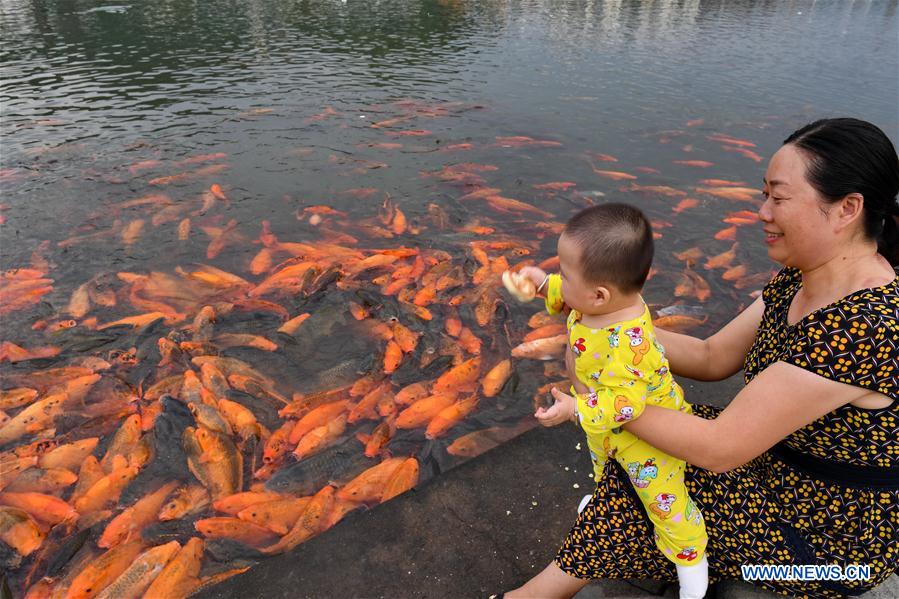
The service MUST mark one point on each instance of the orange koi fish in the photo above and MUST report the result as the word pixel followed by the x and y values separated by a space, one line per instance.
pixel 104 493
pixel 69 456
pixel 19 531
pixel 691 284
pixel 410 133
pixel 724 259
pixel 317 417
pixel 40 480
pixel 685 204
pixel 476 443
pixel 555 186
pixel 411 393
pixel 369 486
pixel 16 398
pixel 185 501
pixel 179 577
pixel 615 175
pixel 722 183
pixel 34 418
pixel 695 163
pixel 546 348
pixel 459 376
pixel 217 191
pixel 744 152
pixel 737 194
pixel 679 323
pixel 226 340
pixel 10 352
pixel 689 255
pixel 80 302
pixel 403 478
pixel 367 407
pixel 138 576
pixel 450 417
pixel 727 139
pixel 214 460
pixel 320 437
pixel 309 524
pixel 656 189
pixel 141 320
pixel 728 234
pixel 522 141
pixel 127 525
pixel 41 507
pixel 379 437
pixel 205 171
pixel 278 516
pixel 648 170
pixel 236 529
pixel 734 273
pixel 542 319
pixel 424 410
pixel 202 158
pixel 184 229
pixel 503 204
pixel 135 168
pixel 495 379
pixel 100 572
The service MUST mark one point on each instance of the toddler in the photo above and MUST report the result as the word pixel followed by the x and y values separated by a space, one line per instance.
pixel 617 367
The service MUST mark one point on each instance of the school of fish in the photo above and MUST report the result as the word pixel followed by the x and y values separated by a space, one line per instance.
pixel 151 445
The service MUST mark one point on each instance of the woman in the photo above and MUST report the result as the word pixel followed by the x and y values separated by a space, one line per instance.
pixel 803 466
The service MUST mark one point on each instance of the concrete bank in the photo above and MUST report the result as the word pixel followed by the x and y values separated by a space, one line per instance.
pixel 485 526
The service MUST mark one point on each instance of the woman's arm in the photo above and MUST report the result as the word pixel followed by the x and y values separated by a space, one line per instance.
pixel 781 399
pixel 719 356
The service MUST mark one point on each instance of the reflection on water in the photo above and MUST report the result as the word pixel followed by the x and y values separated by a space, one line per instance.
pixel 227 168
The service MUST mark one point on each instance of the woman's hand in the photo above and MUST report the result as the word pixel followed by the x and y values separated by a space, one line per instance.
pixel 561 411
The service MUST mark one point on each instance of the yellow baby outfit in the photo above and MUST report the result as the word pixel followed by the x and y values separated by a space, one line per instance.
pixel 624 367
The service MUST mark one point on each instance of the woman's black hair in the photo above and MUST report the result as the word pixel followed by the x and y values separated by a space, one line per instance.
pixel 853 156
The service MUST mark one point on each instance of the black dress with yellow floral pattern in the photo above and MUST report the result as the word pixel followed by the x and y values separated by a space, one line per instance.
pixel 827 494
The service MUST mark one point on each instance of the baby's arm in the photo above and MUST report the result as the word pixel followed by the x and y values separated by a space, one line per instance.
pixel 605 409
pixel 549 287
pixel 563 409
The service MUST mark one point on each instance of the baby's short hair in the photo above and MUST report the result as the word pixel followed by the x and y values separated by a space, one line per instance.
pixel 616 246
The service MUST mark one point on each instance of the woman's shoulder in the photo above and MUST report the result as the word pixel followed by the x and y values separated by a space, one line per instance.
pixel 783 284
pixel 877 304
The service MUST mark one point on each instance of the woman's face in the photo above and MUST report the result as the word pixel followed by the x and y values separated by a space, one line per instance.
pixel 797 229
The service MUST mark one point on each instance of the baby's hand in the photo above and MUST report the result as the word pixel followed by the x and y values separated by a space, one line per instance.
pixel 534 275
pixel 520 286
pixel 561 411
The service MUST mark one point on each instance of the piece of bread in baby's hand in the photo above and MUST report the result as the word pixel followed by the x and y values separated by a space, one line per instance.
pixel 521 287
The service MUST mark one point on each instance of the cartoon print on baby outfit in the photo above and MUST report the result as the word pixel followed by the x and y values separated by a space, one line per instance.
pixel 692 513
pixel 579 347
pixel 640 345
pixel 642 474
pixel 688 553
pixel 607 445
pixel 661 507
pixel 634 371
pixel 624 411
pixel 613 337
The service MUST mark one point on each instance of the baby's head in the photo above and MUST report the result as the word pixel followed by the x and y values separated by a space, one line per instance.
pixel 605 253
